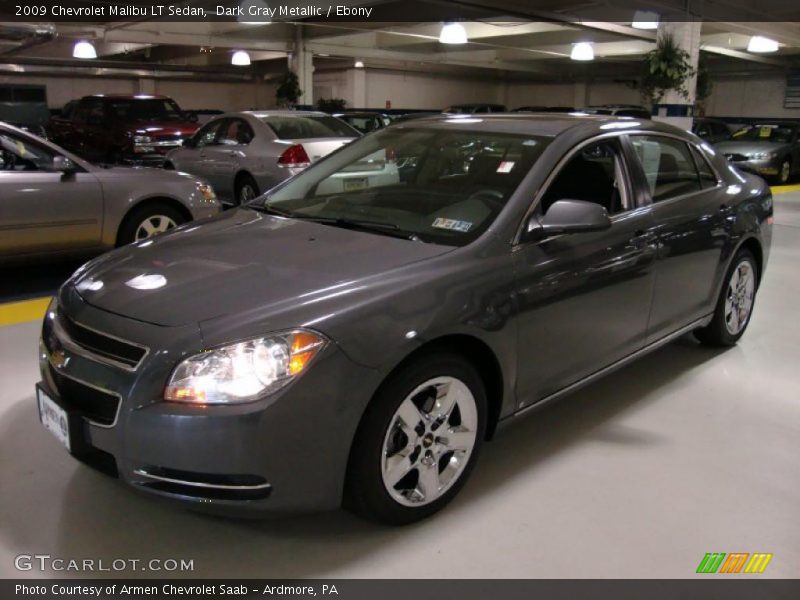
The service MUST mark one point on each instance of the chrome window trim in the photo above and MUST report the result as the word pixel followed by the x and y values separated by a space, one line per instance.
pixel 76 348
pixel 517 240
pixel 94 387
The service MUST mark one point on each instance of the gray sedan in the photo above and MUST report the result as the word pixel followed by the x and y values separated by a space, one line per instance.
pixel 319 346
pixel 244 154
pixel 771 150
pixel 54 203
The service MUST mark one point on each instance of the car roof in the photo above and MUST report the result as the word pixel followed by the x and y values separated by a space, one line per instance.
pixel 260 114
pixel 543 124
pixel 130 96
pixel 358 113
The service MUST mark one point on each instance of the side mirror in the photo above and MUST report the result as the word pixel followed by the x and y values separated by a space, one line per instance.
pixel 569 216
pixel 64 164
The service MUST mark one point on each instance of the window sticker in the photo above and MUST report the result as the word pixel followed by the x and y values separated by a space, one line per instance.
pixel 505 166
pixel 452 224
pixel 765 132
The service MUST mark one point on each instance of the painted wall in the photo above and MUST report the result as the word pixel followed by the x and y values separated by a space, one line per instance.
pixel 751 97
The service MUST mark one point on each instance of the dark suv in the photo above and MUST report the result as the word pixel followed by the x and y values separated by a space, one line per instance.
pixel 122 128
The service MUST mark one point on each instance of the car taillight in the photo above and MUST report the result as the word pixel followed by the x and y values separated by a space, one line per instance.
pixel 294 156
pixel 391 155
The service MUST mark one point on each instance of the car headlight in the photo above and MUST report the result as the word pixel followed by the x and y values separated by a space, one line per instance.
pixel 762 155
pixel 244 371
pixel 141 139
pixel 206 191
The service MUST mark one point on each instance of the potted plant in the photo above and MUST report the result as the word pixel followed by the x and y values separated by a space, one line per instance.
pixel 666 68
pixel 288 91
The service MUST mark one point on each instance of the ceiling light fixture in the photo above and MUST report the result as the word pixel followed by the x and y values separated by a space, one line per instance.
pixel 645 19
pixel 760 44
pixel 84 49
pixel 582 51
pixel 240 58
pixel 359 64
pixel 453 33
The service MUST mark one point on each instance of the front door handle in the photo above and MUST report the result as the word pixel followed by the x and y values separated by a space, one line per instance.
pixel 641 238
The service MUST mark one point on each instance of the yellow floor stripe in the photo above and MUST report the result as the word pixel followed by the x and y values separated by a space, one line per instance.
pixel 22 312
pixel 783 189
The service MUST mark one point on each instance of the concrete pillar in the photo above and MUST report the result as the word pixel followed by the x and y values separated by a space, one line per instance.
pixel 302 63
pixel 674 108
pixel 357 86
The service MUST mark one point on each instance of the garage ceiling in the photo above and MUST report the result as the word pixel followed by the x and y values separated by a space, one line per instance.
pixel 515 38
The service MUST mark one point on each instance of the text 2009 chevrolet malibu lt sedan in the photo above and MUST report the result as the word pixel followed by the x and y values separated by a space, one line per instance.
pixel 356 343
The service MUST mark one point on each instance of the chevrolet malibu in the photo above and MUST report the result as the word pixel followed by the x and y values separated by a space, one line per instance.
pixel 334 344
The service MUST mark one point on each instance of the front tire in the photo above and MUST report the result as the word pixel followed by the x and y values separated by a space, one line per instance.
pixel 785 171
pixel 246 189
pixel 149 220
pixel 735 304
pixel 418 440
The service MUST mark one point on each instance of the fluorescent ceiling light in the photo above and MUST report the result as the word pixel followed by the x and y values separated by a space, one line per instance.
pixel 759 43
pixel 240 58
pixel 255 12
pixel 84 49
pixel 645 19
pixel 359 64
pixel 582 51
pixel 453 33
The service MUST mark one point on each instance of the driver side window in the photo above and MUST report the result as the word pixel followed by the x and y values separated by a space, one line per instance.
pixel 207 134
pixel 18 154
pixel 594 174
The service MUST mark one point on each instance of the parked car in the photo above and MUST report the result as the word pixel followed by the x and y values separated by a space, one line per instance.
pixel 24 106
pixel 469 109
pixel 244 154
pixel 54 203
pixel 547 109
pixel 119 129
pixel 365 122
pixel 413 116
pixel 770 149
pixel 203 116
pixel 619 110
pixel 711 130
pixel 316 347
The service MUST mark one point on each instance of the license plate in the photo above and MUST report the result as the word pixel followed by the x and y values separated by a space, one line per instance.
pixel 354 184
pixel 53 417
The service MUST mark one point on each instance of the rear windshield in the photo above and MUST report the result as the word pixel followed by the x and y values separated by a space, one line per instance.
pixel 303 127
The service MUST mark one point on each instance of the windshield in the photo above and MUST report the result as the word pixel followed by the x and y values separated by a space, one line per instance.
pixel 146 109
pixel 305 127
pixel 435 185
pixel 781 134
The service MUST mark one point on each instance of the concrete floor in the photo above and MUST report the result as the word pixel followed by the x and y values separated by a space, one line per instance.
pixel 688 451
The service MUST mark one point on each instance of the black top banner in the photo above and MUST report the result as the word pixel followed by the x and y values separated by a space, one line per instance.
pixel 379 11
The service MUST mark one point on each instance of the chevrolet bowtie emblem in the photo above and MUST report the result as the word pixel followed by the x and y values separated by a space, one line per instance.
pixel 58 359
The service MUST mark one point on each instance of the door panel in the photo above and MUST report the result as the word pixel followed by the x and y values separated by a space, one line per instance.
pixel 40 212
pixel 583 302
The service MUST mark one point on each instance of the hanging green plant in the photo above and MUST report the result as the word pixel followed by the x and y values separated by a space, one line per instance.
pixel 666 68
pixel 288 91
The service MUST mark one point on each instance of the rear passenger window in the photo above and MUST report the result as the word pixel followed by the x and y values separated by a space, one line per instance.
pixel 668 166
pixel 708 178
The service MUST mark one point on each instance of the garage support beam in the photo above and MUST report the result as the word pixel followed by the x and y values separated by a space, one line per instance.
pixel 302 63
pixel 674 108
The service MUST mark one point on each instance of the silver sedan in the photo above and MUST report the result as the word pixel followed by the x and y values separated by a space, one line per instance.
pixel 244 154
pixel 52 202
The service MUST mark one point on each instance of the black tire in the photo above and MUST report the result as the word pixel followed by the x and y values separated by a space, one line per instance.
pixel 168 166
pixel 243 183
pixel 716 333
pixel 365 492
pixel 130 225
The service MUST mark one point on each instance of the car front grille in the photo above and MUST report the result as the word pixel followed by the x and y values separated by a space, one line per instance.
pixel 103 347
pixel 92 403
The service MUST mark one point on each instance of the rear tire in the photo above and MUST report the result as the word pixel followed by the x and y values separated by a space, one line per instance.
pixel 246 189
pixel 149 220
pixel 417 441
pixel 735 304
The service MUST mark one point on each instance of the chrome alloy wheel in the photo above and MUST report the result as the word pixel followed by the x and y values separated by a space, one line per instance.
pixel 153 225
pixel 246 194
pixel 786 171
pixel 429 441
pixel 739 297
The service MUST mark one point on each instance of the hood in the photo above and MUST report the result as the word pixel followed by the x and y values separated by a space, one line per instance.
pixel 156 129
pixel 240 261
pixel 748 147
pixel 140 175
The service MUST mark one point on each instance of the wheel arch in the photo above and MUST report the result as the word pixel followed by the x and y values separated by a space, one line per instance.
pixel 151 201
pixel 752 244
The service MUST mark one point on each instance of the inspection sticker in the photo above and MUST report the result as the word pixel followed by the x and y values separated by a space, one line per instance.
pixel 452 224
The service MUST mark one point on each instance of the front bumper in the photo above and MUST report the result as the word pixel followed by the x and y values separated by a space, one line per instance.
pixel 766 167
pixel 282 454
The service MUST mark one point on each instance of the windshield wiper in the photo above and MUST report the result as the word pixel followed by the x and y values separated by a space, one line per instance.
pixel 378 227
pixel 271 210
